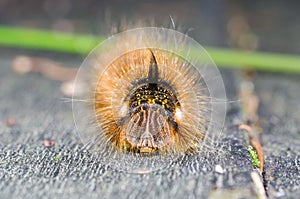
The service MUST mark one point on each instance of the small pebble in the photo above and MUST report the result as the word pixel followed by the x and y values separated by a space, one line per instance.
pixel 219 169
pixel 48 143
pixel 10 122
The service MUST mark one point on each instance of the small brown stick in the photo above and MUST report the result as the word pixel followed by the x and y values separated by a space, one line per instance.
pixel 48 68
pixel 255 144
pixel 246 128
pixel 250 104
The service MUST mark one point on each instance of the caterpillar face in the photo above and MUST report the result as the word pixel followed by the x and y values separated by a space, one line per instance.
pixel 148 91
pixel 156 102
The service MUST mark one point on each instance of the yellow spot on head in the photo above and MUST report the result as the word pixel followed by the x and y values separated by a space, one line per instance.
pixel 165 101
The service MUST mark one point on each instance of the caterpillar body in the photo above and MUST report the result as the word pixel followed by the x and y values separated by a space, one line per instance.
pixel 147 93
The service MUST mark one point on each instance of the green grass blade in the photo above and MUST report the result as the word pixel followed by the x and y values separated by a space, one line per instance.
pixel 266 61
pixel 47 40
pixel 82 44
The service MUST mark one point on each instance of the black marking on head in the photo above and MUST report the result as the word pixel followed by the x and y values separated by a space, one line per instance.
pixel 153 71
pixel 151 91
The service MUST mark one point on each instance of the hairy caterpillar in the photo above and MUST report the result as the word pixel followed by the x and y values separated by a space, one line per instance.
pixel 146 95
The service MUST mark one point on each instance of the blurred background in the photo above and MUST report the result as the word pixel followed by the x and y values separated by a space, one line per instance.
pixel 254 24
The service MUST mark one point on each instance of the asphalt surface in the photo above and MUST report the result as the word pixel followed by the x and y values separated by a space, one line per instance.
pixel 28 169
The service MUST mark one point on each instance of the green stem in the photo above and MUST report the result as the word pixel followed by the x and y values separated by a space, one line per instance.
pixel 266 61
pixel 47 40
pixel 82 44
